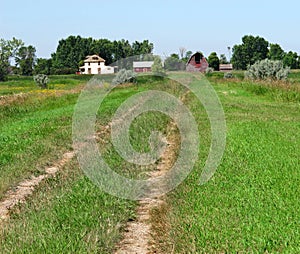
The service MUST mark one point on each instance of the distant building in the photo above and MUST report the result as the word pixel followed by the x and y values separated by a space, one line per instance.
pixel 225 67
pixel 95 65
pixel 142 66
pixel 197 63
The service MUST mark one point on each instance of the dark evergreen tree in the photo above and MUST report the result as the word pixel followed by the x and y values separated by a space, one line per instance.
pixel 214 61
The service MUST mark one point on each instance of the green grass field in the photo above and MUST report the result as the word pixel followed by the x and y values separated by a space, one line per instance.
pixel 250 205
pixel 252 202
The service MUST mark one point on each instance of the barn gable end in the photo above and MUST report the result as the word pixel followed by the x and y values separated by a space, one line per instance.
pixel 197 63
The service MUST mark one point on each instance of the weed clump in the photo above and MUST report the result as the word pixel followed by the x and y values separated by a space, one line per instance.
pixel 41 80
pixel 124 76
pixel 267 70
pixel 228 75
pixel 209 70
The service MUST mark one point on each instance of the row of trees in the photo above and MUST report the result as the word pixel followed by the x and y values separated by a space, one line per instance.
pixel 69 55
pixel 254 49
pixel 72 51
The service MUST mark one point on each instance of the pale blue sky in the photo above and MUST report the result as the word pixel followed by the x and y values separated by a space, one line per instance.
pixel 194 24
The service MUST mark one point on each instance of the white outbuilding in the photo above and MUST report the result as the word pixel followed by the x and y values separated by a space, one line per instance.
pixel 95 65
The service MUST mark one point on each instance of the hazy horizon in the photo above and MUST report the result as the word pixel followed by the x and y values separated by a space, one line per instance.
pixel 194 25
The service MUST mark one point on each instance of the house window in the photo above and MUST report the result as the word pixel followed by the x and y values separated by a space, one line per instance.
pixel 98 63
pixel 89 64
pixel 89 71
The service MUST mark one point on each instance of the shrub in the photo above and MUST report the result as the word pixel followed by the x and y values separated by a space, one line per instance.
pixel 267 69
pixel 228 75
pixel 157 68
pixel 124 76
pixel 41 80
pixel 209 70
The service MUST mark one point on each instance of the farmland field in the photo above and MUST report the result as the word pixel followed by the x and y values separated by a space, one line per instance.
pixel 250 205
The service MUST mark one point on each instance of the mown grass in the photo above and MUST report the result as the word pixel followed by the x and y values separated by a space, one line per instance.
pixel 252 203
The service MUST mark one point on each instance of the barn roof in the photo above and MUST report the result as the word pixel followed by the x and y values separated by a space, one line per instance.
pixel 93 59
pixel 143 64
pixel 193 56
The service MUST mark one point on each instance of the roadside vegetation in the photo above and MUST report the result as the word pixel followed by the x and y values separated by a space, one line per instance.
pixel 250 205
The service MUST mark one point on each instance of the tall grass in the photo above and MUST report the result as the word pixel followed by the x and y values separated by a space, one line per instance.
pixel 23 84
pixel 67 214
pixel 252 204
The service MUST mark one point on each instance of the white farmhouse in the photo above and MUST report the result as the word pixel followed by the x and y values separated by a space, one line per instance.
pixel 95 65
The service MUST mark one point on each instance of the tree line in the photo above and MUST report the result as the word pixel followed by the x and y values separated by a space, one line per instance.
pixel 71 52
pixel 68 57
pixel 254 49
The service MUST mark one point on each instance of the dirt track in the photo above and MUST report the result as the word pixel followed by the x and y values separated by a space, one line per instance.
pixel 25 188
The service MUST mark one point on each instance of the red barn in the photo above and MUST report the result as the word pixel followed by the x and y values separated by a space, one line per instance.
pixel 197 62
pixel 145 66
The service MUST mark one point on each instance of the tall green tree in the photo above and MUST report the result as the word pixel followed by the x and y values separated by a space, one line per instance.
pixel 173 63
pixel 291 60
pixel 157 67
pixel 276 52
pixel 251 50
pixel 5 54
pixel 103 48
pixel 142 48
pixel 174 55
pixel 188 54
pixel 223 59
pixel 8 49
pixel 69 52
pixel 122 49
pixel 25 59
pixel 214 61
pixel 15 45
pixel 43 66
